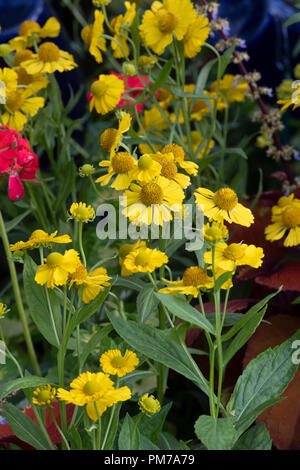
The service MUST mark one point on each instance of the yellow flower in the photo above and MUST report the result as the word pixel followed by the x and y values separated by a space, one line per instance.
pixel 292 100
pixel 120 26
pixel 121 165
pixel 49 59
pixel 197 140
pixel 31 32
pixel 56 269
pixel 10 79
pixel 144 260
pixel 3 310
pixel 153 202
pixel 91 35
pixel 90 388
pixel 215 231
pixel 40 238
pixel 223 204
pixel 20 104
pixel 43 395
pixel 196 36
pixel 146 169
pixel 111 138
pixel 146 62
pixel 193 279
pixel 86 170
pixel 112 362
pixel 34 82
pixel 106 93
pixel 285 219
pixel 124 250
pixel 154 120
pixel 92 282
pixel 169 169
pixel 149 404
pixel 231 90
pixel 227 257
pixel 82 212
pixel 171 17
pixel 179 157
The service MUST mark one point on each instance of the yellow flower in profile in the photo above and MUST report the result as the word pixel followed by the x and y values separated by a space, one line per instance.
pixel 169 169
pixel 10 79
pixel 120 26
pixel 285 220
pixel 193 279
pixel 223 205
pixel 179 157
pixel 215 231
pixel 20 104
pixel 196 36
pixel 144 260
pixel 124 250
pixel 106 93
pixel 146 169
pixel 92 35
pixel 164 21
pixel 40 238
pixel 146 62
pixel 49 59
pixel 119 165
pixel 157 201
pixel 113 363
pixel 3 310
pixel 90 388
pixel 92 282
pixel 82 212
pixel 31 33
pixel 227 257
pixel 57 268
pixel 230 89
pixel 111 138
pixel 149 404
pixel 44 395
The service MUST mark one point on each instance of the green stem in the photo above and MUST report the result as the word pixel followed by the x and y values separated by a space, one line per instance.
pixel 18 297
pixel 10 354
pixel 99 427
pixel 43 427
pixel 58 428
pixel 80 229
pixel 40 215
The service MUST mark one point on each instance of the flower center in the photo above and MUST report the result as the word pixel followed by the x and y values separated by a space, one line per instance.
pixel 48 52
pixel 108 138
pixel 194 276
pixel 80 273
pixel 234 251
pixel 24 78
pixel 141 259
pixel 226 199
pixel 118 362
pixel 167 22
pixel 177 151
pixel 145 162
pixel 98 88
pixel 91 387
pixel 54 259
pixel 150 404
pixel 151 193
pixel 214 233
pixel 21 56
pixel 122 162
pixel 169 169
pixel 82 213
pixel 38 234
pixel 44 396
pixel 15 101
pixel 28 28
pixel 291 216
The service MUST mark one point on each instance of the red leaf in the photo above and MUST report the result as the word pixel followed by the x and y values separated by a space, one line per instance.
pixel 287 275
pixel 283 419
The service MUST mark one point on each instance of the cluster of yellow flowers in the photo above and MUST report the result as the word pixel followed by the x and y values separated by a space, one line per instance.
pixel 96 390
pixel 28 73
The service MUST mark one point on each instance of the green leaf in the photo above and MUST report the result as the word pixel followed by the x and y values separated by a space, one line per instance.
pixel 86 311
pixel 263 381
pixel 108 432
pixel 151 426
pixel 222 279
pixel 157 346
pixel 162 77
pixel 182 309
pixel 257 438
pixel 24 427
pixel 294 19
pixel 167 441
pixel 225 59
pixel 67 174
pixel 16 220
pixel 244 335
pixel 94 342
pixel 126 432
pixel 203 76
pixel 215 433
pixel 134 284
pixel 146 303
pixel 146 444
pixel 21 383
pixel 36 298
